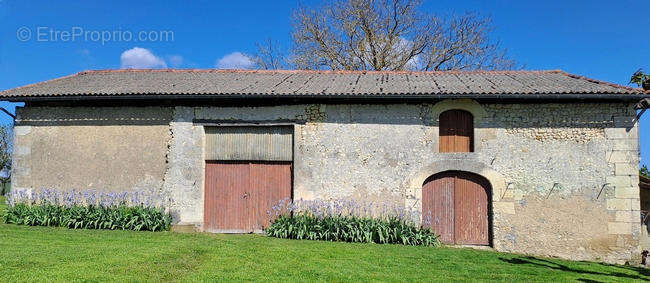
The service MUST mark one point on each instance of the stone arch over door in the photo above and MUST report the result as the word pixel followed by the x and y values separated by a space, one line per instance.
pixel 502 204
pixel 457 206
pixel 497 181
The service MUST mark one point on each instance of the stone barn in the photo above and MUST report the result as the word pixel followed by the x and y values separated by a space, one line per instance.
pixel 535 162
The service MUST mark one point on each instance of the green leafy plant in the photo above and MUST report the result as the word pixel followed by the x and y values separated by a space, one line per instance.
pixel 641 79
pixel 122 217
pixel 388 230
pixel 89 209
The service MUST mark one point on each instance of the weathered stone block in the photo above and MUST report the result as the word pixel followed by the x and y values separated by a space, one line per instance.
pixel 619 133
pixel 619 228
pixel 626 169
pixel 621 181
pixel 631 216
pixel 625 144
pixel 22 130
pixel 622 156
pixel 627 192
pixel 22 150
pixel 504 207
pixel 508 194
pixel 518 194
pixel 619 204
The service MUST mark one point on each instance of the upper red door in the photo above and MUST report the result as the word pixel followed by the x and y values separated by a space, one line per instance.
pixel 456 131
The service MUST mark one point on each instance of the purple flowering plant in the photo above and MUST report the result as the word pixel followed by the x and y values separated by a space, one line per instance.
pixel 349 220
pixel 89 209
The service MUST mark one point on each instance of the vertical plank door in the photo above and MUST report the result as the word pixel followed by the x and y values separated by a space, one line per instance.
pixel 438 206
pixel 456 206
pixel 239 195
pixel 270 183
pixel 471 210
pixel 456 131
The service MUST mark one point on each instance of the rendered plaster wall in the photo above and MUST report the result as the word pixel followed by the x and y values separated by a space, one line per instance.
pixel 105 149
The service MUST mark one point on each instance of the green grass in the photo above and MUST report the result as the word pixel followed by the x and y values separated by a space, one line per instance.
pixel 59 254
pixel 3 207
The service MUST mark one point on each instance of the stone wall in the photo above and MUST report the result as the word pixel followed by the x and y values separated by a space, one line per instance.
pixel 562 169
pixel 109 149
pixel 563 175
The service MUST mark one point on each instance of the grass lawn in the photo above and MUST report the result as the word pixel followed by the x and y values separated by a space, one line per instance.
pixel 58 254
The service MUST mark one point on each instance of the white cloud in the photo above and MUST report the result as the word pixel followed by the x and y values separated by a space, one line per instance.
pixel 140 58
pixel 175 60
pixel 235 60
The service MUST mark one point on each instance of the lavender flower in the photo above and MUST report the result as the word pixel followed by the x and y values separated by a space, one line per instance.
pixel 149 198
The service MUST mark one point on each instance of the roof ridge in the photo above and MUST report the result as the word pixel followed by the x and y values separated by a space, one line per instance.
pixel 283 71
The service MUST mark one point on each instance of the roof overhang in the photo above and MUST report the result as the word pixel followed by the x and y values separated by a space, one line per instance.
pixel 642 99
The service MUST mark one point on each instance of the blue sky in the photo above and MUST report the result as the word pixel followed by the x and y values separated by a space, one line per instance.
pixel 605 40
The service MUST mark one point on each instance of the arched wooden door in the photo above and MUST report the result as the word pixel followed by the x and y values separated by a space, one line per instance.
pixel 456 205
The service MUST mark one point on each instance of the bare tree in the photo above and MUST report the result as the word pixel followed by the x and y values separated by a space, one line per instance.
pixel 269 56
pixel 391 35
pixel 6 138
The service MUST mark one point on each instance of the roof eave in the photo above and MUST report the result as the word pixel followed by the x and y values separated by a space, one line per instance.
pixel 558 96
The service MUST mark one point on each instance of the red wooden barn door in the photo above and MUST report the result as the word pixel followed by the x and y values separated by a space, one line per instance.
pixel 270 182
pixel 437 195
pixel 456 206
pixel 456 131
pixel 238 195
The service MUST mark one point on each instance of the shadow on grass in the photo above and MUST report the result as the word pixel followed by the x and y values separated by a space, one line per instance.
pixel 529 260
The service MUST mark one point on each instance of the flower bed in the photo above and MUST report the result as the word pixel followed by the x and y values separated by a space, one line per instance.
pixel 348 221
pixel 140 210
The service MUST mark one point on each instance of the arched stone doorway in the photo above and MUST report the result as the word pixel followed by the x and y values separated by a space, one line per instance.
pixel 457 206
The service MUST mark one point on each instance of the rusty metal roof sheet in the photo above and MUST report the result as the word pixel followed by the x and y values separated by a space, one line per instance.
pixel 192 82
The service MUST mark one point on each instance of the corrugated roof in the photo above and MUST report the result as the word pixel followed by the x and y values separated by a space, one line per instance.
pixel 174 82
